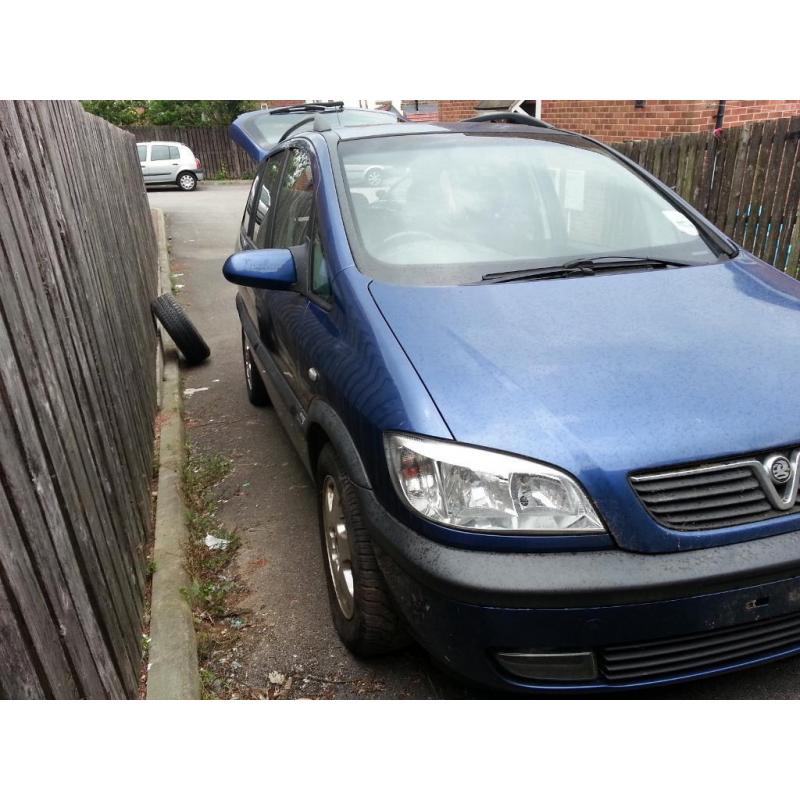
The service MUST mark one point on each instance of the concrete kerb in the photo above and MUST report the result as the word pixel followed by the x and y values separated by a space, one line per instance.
pixel 173 672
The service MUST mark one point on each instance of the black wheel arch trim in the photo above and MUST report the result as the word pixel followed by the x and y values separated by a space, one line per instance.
pixel 324 415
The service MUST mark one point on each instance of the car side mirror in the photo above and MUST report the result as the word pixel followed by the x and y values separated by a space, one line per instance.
pixel 261 269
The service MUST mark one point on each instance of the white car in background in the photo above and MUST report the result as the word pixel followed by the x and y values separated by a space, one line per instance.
pixel 169 162
pixel 366 174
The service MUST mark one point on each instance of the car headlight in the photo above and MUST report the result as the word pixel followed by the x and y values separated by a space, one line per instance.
pixel 467 487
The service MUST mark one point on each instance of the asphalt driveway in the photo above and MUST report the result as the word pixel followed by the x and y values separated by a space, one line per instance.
pixel 270 502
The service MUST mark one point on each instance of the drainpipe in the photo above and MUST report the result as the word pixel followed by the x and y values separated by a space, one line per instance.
pixel 720 118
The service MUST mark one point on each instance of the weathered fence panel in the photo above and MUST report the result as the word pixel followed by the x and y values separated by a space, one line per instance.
pixel 78 270
pixel 747 182
pixel 219 155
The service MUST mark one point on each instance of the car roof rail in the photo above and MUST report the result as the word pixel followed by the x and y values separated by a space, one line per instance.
pixel 292 128
pixel 510 116
pixel 320 125
pixel 319 108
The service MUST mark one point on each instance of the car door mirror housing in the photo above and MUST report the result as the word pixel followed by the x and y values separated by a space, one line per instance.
pixel 261 269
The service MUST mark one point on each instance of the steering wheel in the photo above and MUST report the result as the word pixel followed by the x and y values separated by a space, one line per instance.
pixel 406 234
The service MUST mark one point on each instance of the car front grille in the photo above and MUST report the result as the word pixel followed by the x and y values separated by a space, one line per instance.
pixel 684 655
pixel 709 496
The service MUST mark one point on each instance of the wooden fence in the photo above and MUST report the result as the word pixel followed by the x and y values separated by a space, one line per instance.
pixel 77 401
pixel 747 182
pixel 219 155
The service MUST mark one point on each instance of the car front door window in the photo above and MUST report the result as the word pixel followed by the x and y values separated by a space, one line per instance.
pixel 295 201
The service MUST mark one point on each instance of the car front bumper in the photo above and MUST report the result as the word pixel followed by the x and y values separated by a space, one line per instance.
pixel 645 619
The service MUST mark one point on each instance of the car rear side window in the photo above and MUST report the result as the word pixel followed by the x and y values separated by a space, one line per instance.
pixel 159 152
pixel 261 198
pixel 248 208
pixel 174 153
pixel 295 201
pixel 142 148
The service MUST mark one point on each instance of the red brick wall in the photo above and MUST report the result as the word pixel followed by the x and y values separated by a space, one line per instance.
pixel 455 110
pixel 617 120
pixel 737 112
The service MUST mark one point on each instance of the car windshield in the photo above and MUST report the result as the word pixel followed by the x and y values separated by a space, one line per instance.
pixel 267 128
pixel 448 208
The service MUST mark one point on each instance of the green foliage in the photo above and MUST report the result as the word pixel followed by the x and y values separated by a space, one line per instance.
pixel 118 112
pixel 178 113
pixel 190 113
pixel 212 685
pixel 222 173
pixel 200 474
pixel 210 588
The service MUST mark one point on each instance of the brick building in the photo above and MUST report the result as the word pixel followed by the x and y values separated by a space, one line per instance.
pixel 608 120
pixel 617 120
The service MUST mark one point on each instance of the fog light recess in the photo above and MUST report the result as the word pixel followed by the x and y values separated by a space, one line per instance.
pixel 549 666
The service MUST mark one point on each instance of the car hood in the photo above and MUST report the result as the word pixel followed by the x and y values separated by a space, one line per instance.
pixel 610 374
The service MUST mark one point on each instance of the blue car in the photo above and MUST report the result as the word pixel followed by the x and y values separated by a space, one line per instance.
pixel 549 409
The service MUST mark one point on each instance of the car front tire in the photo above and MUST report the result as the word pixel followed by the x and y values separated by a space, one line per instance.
pixel 363 612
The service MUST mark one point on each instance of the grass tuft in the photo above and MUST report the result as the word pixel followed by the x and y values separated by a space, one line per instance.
pixel 210 589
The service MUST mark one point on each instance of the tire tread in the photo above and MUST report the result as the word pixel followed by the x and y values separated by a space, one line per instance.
pixel 180 329
pixel 376 627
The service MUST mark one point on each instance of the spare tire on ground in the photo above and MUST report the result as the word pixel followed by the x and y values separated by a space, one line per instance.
pixel 178 325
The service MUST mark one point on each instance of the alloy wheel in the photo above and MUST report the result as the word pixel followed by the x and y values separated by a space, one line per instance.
pixel 248 364
pixel 337 546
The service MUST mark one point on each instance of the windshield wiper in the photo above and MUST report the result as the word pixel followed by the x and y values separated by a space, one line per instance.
pixel 536 273
pixel 582 266
pixel 622 262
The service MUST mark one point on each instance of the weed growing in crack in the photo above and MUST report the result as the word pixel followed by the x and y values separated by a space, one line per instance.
pixel 210 589
pixel 213 593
